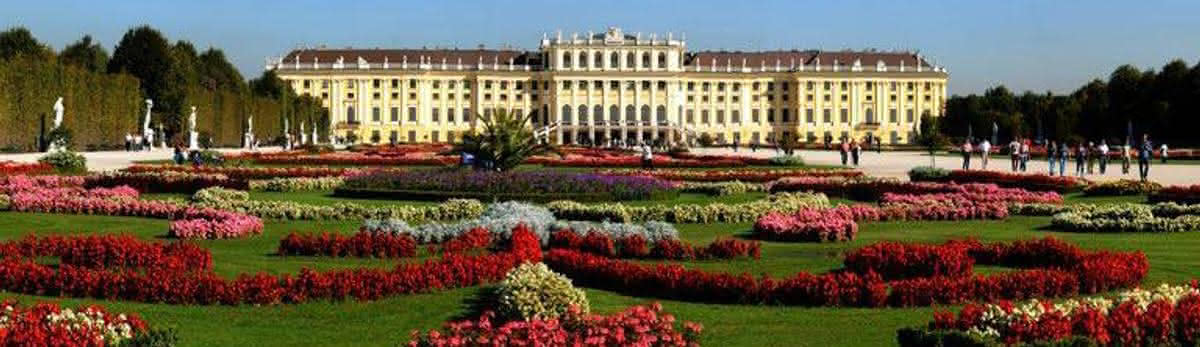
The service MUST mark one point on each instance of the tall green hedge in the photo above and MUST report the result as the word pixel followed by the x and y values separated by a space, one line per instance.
pixel 100 108
pixel 223 114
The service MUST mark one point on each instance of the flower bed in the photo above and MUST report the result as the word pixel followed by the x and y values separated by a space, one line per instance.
pixel 744 175
pixel 721 188
pixel 873 189
pixel 47 324
pixel 1035 182
pixel 20 273
pixel 14 168
pixel 1052 269
pixel 163 182
pixel 452 209
pixel 348 158
pixel 358 245
pixel 1121 187
pixel 513 185
pixel 296 184
pixel 840 223
pixel 1177 194
pixel 504 216
pixel 638 247
pixel 688 213
pixel 248 173
pixel 636 326
pixel 659 160
pixel 1129 218
pixel 49 196
pixel 1163 316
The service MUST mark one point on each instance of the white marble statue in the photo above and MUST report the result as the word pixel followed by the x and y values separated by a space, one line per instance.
pixel 287 137
pixel 193 136
pixel 58 118
pixel 314 135
pixel 146 121
pixel 303 135
pixel 249 135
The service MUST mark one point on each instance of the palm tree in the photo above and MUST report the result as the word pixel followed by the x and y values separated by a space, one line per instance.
pixel 505 141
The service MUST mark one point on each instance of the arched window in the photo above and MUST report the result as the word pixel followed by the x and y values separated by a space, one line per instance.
pixel 614 114
pixel 566 115
pixel 630 117
pixel 350 114
pixel 566 60
pixel 662 60
pixel 645 113
pixel 630 59
pixel 614 60
pixel 598 114
pixel 645 60
pixel 583 115
pixel 661 115
pixel 583 60
pixel 597 60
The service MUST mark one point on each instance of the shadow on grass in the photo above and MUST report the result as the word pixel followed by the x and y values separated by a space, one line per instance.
pixel 484 299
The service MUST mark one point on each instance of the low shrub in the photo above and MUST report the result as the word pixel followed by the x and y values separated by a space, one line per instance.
pixel 927 173
pixel 296 184
pixel 721 188
pixel 688 213
pixel 786 160
pixel 1121 187
pixel 1129 218
pixel 65 162
pixel 533 292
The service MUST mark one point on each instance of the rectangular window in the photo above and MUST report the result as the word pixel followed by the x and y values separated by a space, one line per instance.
pixel 720 116
pixel 375 114
pixel 808 115
pixel 466 115
pixel 825 117
pixel 704 117
pixel 787 115
pixel 395 83
pixel 395 136
pixel 892 116
pixel 412 84
pixel 754 116
pixel 909 116
pixel 434 116
pixel 433 136
pixel 375 136
pixel 736 117
pixel 395 114
pixel 412 136
pixel 450 116
pixel 412 114
pixel 691 116
pixel 844 116
pixel 770 115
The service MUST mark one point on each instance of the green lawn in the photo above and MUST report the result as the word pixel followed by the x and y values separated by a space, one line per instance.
pixel 389 321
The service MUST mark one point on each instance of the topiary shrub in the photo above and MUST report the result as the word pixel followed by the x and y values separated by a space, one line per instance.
pixel 927 173
pixel 787 160
pixel 532 291
pixel 65 161
pixel 706 140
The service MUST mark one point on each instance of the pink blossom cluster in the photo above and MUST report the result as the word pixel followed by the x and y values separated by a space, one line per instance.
pixel 636 326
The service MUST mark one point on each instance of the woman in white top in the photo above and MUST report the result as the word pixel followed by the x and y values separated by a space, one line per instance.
pixel 985 150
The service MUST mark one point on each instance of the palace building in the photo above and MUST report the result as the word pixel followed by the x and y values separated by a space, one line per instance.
pixel 614 87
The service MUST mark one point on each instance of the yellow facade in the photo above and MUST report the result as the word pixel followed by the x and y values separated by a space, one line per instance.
pixel 614 86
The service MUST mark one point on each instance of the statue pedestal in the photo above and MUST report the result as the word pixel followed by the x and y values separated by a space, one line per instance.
pixel 194 141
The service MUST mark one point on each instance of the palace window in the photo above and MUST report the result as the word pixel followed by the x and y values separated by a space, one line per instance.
pixel 691 116
pixel 787 115
pixel 375 114
pixel 892 116
pixel 412 114
pixel 662 85
pixel 808 115
pixel 566 58
pixel 770 115
pixel 691 86
pixel 450 115
pixel 825 116
pixel 598 61
pixel 395 83
pixel 614 60
pixel 662 60
pixel 645 85
pixel 645 60
pixel 845 116
pixel 614 85
pixel 784 86
pixel 720 86
pixel 597 85
pixel 412 84
pixel 736 117
pixel 435 115
pixel 583 60
pixel 909 116
pixel 754 116
pixel 437 84
pixel 395 114
pixel 704 86
pixel 720 116
pixel 704 116
pixel 737 87
pixel 375 96
pixel 770 86
pixel 376 83
pixel 503 85
pixel 630 60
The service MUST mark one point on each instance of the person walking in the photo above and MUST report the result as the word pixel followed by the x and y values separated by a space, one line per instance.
pixel 966 154
pixel 1144 153
pixel 1091 157
pixel 1024 154
pixel 1051 155
pixel 178 155
pixel 1081 159
pixel 1163 152
pixel 845 149
pixel 985 151
pixel 855 151
pixel 1063 152
pixel 754 146
pixel 128 142
pixel 735 145
pixel 647 157
pixel 1103 153
pixel 1014 153
pixel 1125 157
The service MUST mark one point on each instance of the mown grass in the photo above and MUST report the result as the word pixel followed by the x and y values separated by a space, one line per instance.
pixel 389 321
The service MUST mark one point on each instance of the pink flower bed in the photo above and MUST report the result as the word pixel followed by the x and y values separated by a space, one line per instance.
pixel 840 223
pixel 636 326
pixel 58 196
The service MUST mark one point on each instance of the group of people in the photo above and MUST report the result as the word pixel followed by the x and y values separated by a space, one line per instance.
pixel 137 142
pixel 1087 155
pixel 850 150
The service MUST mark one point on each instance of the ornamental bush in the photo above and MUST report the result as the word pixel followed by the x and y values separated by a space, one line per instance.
pixel 721 188
pixel 65 162
pixel 1121 187
pixel 927 173
pixel 296 184
pixel 1130 218
pixel 533 292
pixel 786 160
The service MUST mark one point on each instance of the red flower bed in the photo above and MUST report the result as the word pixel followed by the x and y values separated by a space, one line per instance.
pixel 107 251
pixel 164 182
pixel 1035 182
pixel 636 326
pixel 635 246
pixel 1060 270
pixel 247 173
pixel 21 274
pixel 1177 194
pixel 744 175
pixel 14 168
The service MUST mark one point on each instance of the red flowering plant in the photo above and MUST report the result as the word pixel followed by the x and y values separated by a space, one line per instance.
pixel 134 270
pixel 47 324
pixel 1177 194
pixel 646 325
pixel 888 274
pixel 636 247
pixel 1035 182
pixel 8 168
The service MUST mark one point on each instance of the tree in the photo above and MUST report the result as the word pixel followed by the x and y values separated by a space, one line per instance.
pixel 930 138
pixel 144 53
pixel 506 140
pixel 788 143
pixel 217 73
pixel 19 41
pixel 85 54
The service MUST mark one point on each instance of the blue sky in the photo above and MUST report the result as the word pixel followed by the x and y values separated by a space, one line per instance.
pixel 1052 45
